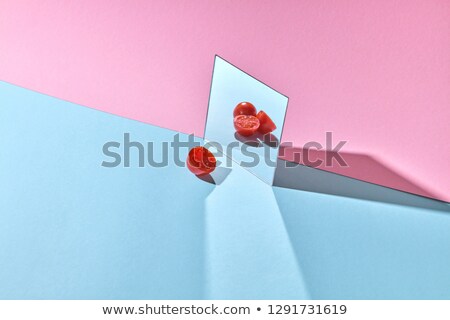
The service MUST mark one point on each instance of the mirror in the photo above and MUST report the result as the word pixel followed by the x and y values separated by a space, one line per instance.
pixel 244 141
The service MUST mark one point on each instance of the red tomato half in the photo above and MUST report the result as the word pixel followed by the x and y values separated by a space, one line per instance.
pixel 246 125
pixel 266 124
pixel 244 108
pixel 200 161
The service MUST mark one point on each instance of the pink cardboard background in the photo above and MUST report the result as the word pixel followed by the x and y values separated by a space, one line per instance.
pixel 375 73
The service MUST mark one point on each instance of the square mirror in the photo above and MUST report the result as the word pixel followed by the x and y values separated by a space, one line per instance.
pixel 245 138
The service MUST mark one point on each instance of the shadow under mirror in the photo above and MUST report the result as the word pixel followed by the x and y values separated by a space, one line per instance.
pixel 296 176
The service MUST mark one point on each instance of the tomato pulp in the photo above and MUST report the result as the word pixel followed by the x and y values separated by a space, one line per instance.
pixel 266 124
pixel 200 161
pixel 244 108
pixel 246 125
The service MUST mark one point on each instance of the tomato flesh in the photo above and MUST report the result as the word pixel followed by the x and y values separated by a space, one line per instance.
pixel 244 108
pixel 246 125
pixel 266 124
pixel 200 161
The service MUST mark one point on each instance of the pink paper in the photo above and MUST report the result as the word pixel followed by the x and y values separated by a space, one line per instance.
pixel 375 73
